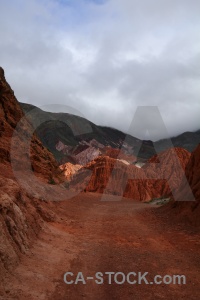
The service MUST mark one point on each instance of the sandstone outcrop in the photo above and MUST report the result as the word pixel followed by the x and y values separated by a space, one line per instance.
pixel 69 170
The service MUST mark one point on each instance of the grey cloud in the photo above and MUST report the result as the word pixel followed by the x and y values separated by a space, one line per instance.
pixel 105 60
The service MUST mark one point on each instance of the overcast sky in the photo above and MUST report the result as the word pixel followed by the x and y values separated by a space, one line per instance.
pixel 106 58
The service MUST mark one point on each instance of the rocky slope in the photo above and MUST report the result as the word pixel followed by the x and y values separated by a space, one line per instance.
pixel 186 140
pixel 185 208
pixel 112 176
pixel 169 165
pixel 70 131
pixel 193 174
pixel 22 213
pixel 119 154
pixel 11 113
pixel 82 153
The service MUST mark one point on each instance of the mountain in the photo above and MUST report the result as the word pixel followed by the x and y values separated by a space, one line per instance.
pixel 67 135
pixel 72 131
pixel 187 140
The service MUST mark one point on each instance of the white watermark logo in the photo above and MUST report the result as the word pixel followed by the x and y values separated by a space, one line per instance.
pixel 120 278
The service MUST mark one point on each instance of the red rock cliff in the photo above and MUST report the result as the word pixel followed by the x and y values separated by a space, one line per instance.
pixel 21 213
pixel 111 176
pixel 185 207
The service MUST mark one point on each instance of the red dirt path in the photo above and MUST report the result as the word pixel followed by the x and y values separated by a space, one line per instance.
pixel 92 236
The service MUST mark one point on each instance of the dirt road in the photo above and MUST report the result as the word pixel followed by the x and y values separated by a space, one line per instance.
pixel 92 236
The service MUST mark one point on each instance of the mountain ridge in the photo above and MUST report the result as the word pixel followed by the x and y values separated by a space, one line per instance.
pixel 57 127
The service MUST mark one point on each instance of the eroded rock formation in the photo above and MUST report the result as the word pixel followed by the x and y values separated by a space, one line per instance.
pixel 112 176
pixel 69 170
pixel 187 205
pixel 21 213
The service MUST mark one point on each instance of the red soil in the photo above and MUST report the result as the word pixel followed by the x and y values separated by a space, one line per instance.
pixel 91 236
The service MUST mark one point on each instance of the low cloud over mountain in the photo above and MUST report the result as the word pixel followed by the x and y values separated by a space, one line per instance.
pixel 105 58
